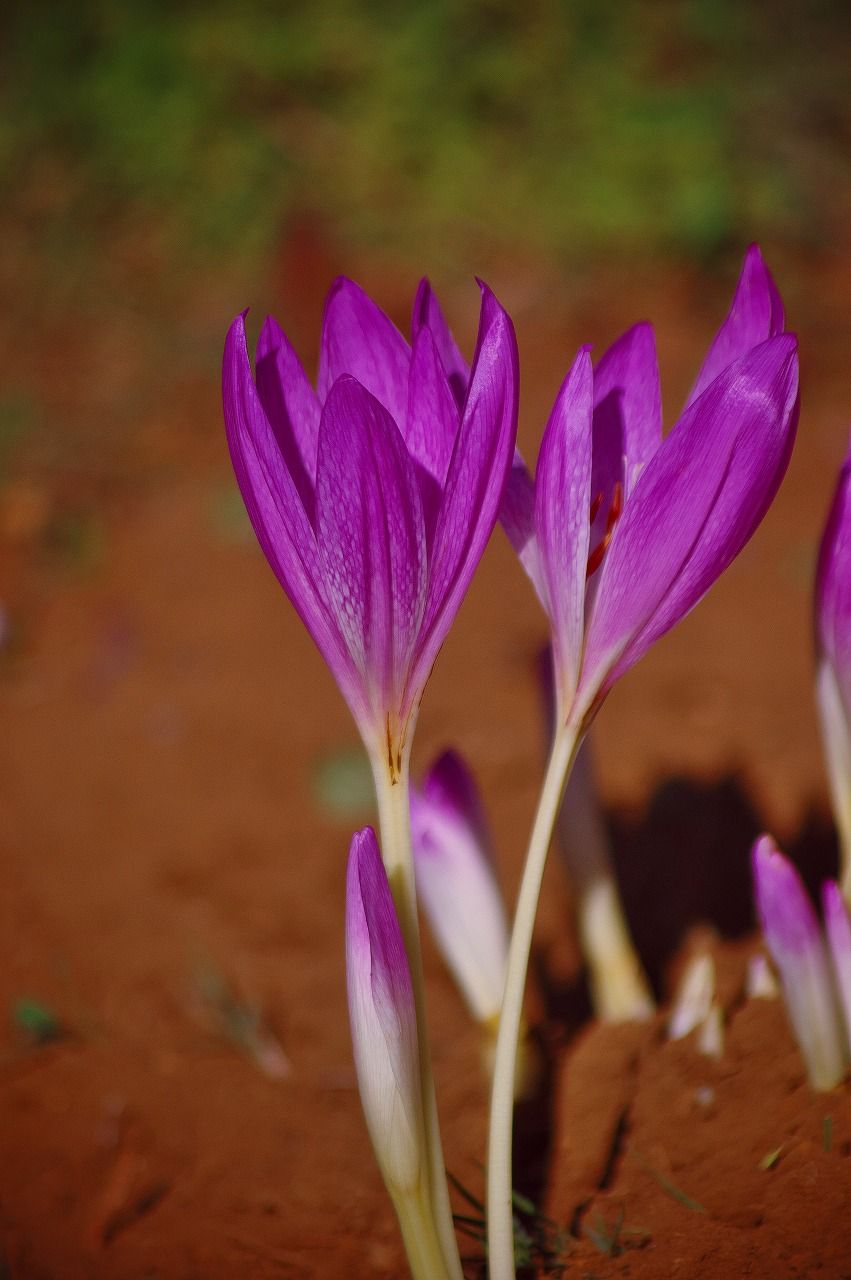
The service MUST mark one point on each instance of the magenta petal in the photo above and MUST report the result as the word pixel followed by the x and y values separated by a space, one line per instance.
pixel 694 507
pixel 428 314
pixel 449 786
pixel 359 339
pixel 291 406
pixel 382 1016
pixel 432 417
pixel 369 525
pixel 562 497
pixel 833 586
pixel 627 412
pixel 275 508
pixel 786 914
pixel 517 517
pixel 756 313
pixel 475 480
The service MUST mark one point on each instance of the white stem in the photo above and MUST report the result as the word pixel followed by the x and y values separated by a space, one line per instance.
pixel 837 749
pixel 500 1219
pixel 395 828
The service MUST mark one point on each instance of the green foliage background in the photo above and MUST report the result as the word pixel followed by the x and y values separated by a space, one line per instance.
pixel 572 127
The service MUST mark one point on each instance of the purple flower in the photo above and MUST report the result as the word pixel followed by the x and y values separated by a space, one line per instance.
pixel 373 496
pixel 457 885
pixel 833 653
pixel 794 938
pixel 622 531
pixel 383 1018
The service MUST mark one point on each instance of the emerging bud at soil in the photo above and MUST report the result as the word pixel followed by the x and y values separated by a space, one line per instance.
pixel 383 1019
pixel 760 982
pixel 457 885
pixel 794 939
pixel 837 925
pixel 694 997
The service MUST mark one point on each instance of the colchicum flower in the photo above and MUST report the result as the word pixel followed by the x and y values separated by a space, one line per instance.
pixel 457 885
pixel 833 655
pixel 622 532
pixel 794 939
pixel 383 1020
pixel 373 496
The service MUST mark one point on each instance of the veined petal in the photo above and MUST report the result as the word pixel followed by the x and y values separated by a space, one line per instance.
pixel 792 935
pixel 276 511
pixel 837 924
pixel 369 525
pixel 517 517
pixel 432 418
pixel 457 885
pixel 383 1017
pixel 291 404
pixel 475 480
pixel 359 339
pixel 562 498
pixel 694 507
pixel 627 412
pixel 756 313
pixel 427 313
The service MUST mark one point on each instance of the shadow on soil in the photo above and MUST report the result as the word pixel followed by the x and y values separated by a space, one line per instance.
pixel 684 861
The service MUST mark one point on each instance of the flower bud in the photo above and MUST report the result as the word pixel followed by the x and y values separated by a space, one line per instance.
pixel 383 1018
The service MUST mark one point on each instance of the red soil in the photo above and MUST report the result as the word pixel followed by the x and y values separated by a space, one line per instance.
pixel 164 714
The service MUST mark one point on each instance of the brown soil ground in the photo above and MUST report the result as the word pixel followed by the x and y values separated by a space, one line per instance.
pixel 164 720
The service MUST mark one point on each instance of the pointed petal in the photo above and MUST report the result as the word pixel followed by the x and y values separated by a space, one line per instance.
pixel 382 1017
pixel 369 525
pixel 359 339
pixel 756 313
pixel 627 411
pixel 457 886
pixel 694 507
pixel 793 937
pixel 837 923
pixel 476 478
pixel 276 512
pixel 291 406
pixel 428 314
pixel 517 517
pixel 562 498
pixel 432 417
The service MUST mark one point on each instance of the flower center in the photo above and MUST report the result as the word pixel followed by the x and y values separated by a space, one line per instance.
pixel 595 559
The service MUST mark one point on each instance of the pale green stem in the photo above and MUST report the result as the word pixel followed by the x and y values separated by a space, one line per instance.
pixel 500 1220
pixel 395 828
pixel 423 1249
pixel 619 988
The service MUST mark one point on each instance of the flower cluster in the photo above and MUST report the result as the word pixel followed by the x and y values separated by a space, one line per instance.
pixel 373 495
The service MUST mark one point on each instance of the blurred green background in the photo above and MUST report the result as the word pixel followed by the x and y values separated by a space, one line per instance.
pixel 167 163
pixel 579 128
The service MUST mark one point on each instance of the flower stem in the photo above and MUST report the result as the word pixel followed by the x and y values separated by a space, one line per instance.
pixel 499 1196
pixel 395 828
